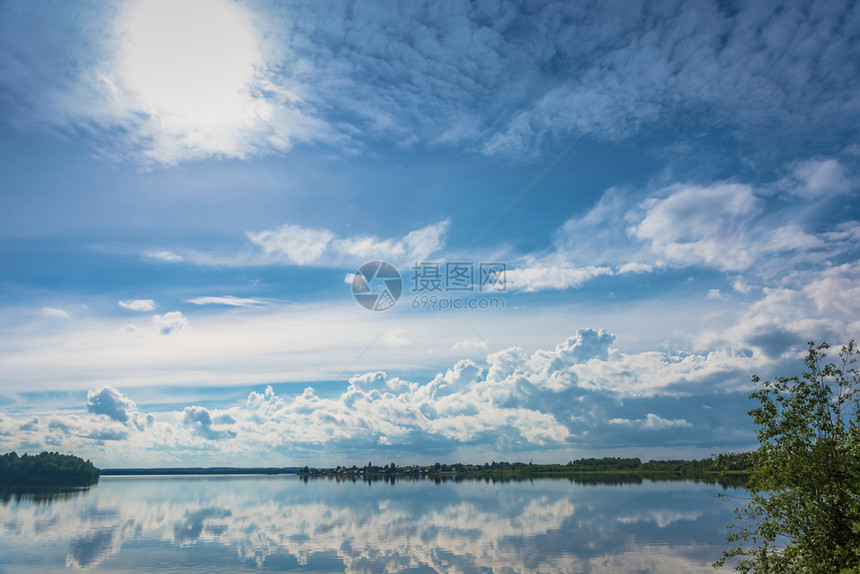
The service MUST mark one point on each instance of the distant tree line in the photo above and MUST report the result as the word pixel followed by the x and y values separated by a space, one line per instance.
pixel 46 469
pixel 738 463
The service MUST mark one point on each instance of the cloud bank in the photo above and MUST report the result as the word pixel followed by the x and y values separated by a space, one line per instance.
pixel 584 394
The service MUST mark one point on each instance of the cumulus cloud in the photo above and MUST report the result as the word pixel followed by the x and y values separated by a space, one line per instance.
pixel 726 226
pixel 814 305
pixel 542 400
pixel 141 305
pixel 110 402
pixel 587 344
pixel 575 395
pixel 200 421
pixel 169 322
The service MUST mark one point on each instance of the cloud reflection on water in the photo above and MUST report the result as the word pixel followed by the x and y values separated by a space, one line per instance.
pixel 281 522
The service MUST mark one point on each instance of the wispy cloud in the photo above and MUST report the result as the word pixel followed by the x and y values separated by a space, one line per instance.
pixel 55 313
pixel 303 246
pixel 141 305
pixel 229 301
pixel 543 276
pixel 168 256
pixel 652 422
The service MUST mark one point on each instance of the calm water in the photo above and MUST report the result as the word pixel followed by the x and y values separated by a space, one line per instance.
pixel 281 523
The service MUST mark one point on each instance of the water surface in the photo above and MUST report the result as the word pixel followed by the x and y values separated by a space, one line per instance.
pixel 284 523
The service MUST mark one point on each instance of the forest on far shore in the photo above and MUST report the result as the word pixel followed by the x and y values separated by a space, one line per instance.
pixel 728 463
pixel 46 469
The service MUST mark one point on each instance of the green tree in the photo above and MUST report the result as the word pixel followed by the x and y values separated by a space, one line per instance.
pixel 803 513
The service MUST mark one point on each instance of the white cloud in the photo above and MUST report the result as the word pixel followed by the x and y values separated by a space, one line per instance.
pixel 542 276
pixel 514 399
pixel 298 244
pixel 169 322
pixel 701 225
pixel 727 226
pixel 421 243
pixel 741 286
pixel 662 518
pixel 811 305
pixel 470 345
pixel 587 344
pixel 305 246
pixel 396 337
pixel 836 290
pixel 168 256
pixel 634 267
pixel 414 246
pixel 228 300
pixel 55 313
pixel 142 305
pixel 367 248
pixel 652 422
pixel 816 178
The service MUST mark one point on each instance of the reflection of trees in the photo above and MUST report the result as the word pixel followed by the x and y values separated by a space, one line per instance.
pixel 39 495
pixel 500 524
pixel 585 478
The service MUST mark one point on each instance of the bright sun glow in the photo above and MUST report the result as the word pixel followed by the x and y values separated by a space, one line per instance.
pixel 190 63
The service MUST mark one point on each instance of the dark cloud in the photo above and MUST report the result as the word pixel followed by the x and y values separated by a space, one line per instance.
pixel 107 434
pixel 773 340
pixel 110 402
pixel 30 425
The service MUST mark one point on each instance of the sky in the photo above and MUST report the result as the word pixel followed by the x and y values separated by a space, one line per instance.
pixel 587 226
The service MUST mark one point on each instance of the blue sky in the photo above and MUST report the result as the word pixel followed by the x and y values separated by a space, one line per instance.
pixel 188 190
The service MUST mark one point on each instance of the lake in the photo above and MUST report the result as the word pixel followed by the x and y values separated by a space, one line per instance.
pixel 287 523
